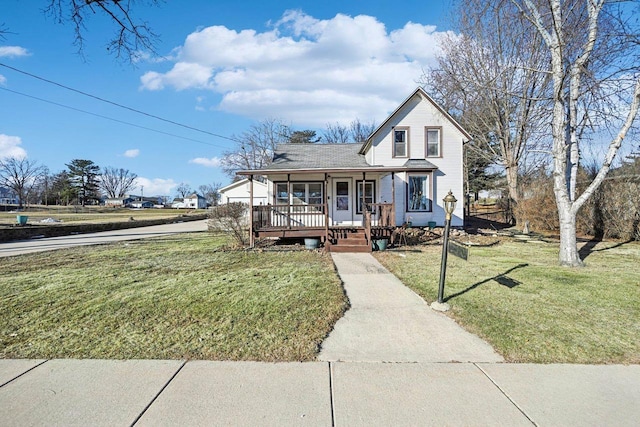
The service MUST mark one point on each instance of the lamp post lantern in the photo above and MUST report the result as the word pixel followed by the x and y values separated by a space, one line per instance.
pixel 449 206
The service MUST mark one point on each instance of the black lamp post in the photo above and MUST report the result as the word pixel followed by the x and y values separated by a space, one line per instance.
pixel 449 206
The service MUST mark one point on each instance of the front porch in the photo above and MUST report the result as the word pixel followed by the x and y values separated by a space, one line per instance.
pixel 313 221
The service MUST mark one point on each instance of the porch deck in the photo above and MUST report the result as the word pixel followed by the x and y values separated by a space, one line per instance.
pixel 303 221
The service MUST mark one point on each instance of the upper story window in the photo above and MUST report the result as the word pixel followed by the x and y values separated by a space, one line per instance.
pixel 400 142
pixel 432 139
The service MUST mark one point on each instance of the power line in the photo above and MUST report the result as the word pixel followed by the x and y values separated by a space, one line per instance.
pixel 114 103
pixel 109 118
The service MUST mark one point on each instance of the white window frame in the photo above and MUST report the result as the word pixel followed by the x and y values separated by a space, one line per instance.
pixel 359 186
pixel 428 143
pixel 429 190
pixel 405 131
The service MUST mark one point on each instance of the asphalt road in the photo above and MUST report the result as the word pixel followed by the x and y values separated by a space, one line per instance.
pixel 52 243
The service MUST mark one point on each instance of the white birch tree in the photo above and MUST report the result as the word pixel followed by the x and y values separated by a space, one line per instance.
pixel 595 69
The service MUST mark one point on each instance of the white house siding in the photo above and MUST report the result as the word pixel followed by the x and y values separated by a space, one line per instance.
pixel 416 115
pixel 240 192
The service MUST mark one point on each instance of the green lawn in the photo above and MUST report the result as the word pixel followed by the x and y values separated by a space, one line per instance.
pixel 91 214
pixel 169 298
pixel 516 297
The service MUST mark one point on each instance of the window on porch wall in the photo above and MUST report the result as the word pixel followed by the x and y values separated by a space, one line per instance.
pixel 302 195
pixel 369 189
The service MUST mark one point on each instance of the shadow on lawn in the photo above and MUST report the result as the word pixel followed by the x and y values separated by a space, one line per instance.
pixel 588 248
pixel 502 279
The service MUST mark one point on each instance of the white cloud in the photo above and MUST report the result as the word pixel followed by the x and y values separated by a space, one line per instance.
pixel 156 186
pixel 134 152
pixel 3 80
pixel 213 162
pixel 305 70
pixel 13 51
pixel 10 147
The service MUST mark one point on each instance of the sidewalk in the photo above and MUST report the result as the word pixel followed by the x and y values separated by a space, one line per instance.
pixel 388 322
pixel 152 393
pixel 390 360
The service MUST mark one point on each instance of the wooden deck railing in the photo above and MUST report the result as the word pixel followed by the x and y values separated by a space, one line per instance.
pixel 366 222
pixel 289 216
pixel 383 214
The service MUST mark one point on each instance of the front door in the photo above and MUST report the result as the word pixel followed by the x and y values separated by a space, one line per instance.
pixel 342 203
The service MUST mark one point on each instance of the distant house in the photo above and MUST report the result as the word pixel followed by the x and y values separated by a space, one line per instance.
pixel 119 202
pixel 178 203
pixel 142 204
pixel 7 197
pixel 194 201
pixel 239 191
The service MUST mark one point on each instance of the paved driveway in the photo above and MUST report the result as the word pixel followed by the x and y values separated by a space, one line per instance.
pixel 51 243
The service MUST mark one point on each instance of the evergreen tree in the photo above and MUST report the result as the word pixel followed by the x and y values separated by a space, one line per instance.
pixel 83 175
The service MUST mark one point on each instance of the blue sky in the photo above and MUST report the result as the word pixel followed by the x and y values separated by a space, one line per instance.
pixel 224 65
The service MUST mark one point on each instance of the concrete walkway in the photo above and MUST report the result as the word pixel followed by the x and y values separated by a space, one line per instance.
pixel 387 322
pixel 179 393
pixel 20 247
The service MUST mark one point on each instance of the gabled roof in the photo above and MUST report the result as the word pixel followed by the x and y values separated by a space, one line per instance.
pixel 238 183
pixel 314 157
pixel 420 164
pixel 422 93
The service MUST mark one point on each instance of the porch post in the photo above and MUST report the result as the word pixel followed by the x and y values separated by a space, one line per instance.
pixel 252 241
pixel 364 190
pixel 393 199
pixel 326 207
pixel 288 200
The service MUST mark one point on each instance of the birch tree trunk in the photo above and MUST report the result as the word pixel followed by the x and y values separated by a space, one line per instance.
pixel 571 51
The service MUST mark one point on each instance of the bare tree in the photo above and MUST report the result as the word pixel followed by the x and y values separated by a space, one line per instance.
pixel 594 50
pixel 183 190
pixel 355 132
pixel 21 175
pixel 494 85
pixel 131 36
pixel 116 182
pixel 211 192
pixel 254 147
pixel 336 134
pixel 359 131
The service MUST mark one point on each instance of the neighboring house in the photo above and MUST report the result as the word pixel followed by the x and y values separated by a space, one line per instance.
pixel 240 191
pixel 194 201
pixel 178 203
pixel 118 201
pixel 142 204
pixel 399 174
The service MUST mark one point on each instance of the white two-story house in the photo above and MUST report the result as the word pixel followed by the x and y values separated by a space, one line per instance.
pixel 400 174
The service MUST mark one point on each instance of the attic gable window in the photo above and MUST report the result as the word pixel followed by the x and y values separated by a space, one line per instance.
pixel 401 142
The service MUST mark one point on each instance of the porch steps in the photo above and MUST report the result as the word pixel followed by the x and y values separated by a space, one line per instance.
pixel 348 240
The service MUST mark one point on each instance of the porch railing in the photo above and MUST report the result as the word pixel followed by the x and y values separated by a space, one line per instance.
pixel 289 216
pixel 383 214
pixel 366 222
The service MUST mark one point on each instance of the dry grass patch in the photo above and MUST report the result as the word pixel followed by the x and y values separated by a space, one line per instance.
pixel 516 297
pixel 178 297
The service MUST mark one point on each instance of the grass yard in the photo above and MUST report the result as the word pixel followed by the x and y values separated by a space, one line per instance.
pixel 91 214
pixel 178 297
pixel 515 296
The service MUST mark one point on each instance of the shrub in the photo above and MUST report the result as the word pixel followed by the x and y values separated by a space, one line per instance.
pixel 231 218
